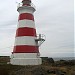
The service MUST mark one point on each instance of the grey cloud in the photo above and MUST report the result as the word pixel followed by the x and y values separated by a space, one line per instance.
pixel 54 18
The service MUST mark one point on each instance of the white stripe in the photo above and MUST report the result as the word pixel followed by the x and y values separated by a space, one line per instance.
pixel 25 40
pixel 25 55
pixel 26 23
pixel 26 10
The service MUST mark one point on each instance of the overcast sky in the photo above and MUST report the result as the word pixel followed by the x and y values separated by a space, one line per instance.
pixel 53 18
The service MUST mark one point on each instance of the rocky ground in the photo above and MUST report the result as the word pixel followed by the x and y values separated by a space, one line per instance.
pixel 49 67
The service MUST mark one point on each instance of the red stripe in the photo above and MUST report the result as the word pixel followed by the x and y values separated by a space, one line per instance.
pixel 26 5
pixel 25 49
pixel 27 16
pixel 25 31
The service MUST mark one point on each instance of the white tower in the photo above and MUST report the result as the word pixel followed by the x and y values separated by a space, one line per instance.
pixel 26 48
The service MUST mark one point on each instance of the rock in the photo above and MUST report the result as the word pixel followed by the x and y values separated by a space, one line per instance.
pixel 39 71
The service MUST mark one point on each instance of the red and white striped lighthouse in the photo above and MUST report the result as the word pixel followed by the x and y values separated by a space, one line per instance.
pixel 26 48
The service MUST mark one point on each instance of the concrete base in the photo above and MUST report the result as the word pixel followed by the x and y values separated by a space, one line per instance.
pixel 25 59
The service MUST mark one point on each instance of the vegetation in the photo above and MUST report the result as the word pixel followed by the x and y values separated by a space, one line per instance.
pixel 49 67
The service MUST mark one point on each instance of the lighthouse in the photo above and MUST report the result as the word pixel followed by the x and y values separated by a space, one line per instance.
pixel 27 42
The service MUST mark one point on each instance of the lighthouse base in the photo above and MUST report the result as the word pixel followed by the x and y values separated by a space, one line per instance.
pixel 25 59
